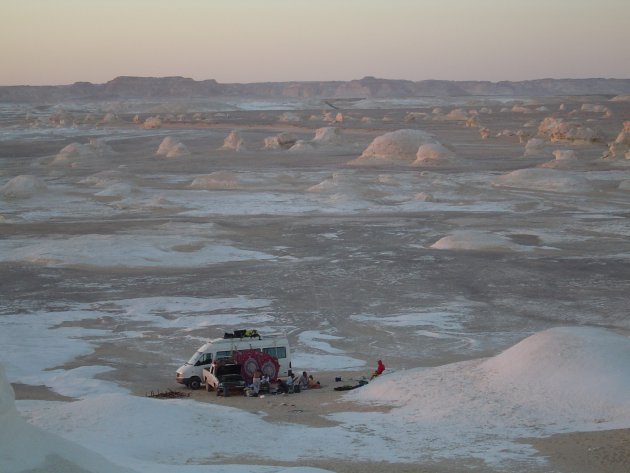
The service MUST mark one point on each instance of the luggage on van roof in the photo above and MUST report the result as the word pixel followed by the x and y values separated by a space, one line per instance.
pixel 242 334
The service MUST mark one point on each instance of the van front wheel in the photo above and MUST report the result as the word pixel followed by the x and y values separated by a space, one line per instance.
pixel 194 383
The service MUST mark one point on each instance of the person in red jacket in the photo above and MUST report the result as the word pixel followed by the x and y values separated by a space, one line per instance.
pixel 379 369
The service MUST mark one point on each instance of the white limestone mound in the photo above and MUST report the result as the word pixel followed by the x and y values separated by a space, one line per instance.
pixel 550 180
pixel 289 117
pixel 302 146
pixel 474 240
pixel 22 187
pixel 117 190
pixel 109 118
pixel 25 448
pixel 556 129
pixel 217 181
pixel 171 147
pixel 534 146
pixel 564 159
pixel 283 140
pixel 457 115
pixel 166 145
pixel 74 153
pixel 565 379
pixel 433 154
pixel 101 147
pixel 586 371
pixel 178 151
pixel 414 116
pixel 396 147
pixel 152 123
pixel 328 135
pixel 473 122
pixel 234 141
pixel 624 185
pixel 328 117
pixel 594 108
pixel 620 148
pixel 424 197
pixel 102 178
pixel 338 181
pixel 520 109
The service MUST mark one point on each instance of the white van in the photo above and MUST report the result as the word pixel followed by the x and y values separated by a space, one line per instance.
pixel 274 344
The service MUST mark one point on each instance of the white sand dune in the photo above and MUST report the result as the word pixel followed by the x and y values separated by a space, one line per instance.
pixel 26 448
pixel 562 379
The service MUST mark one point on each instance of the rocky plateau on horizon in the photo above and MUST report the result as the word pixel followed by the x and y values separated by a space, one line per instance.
pixel 127 87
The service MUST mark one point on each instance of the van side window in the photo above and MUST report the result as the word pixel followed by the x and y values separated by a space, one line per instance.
pixel 278 352
pixel 205 359
pixel 224 355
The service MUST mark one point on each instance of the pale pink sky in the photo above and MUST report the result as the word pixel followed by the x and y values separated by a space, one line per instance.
pixel 63 41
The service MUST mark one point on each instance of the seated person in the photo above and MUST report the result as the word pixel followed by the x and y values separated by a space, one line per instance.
pixel 312 384
pixel 379 370
pixel 286 386
pixel 256 380
pixel 303 381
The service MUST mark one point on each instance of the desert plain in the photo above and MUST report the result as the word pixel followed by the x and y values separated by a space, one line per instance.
pixel 479 245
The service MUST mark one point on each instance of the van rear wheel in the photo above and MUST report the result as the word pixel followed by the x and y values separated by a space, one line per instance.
pixel 194 383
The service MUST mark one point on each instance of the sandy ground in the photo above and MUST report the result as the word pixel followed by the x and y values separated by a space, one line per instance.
pixel 378 264
pixel 581 452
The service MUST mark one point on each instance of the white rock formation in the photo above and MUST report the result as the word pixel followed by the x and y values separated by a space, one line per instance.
pixel 73 153
pixel 556 129
pixel 289 117
pixel 620 148
pixel 152 123
pixel 103 178
pixel 234 141
pixel 564 159
pixel 396 147
pixel 534 147
pixel 283 140
pixel 433 154
pixel 166 145
pixel 171 147
pixel 22 187
pixel 217 180
pixel 302 146
pixel 474 240
pixel 178 150
pixel 549 180
pixel 328 135
pixel 26 449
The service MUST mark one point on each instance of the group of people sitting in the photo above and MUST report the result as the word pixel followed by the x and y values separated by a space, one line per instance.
pixel 290 385
pixel 294 383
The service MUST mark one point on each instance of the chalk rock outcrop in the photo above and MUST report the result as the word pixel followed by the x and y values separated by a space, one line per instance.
pixel 620 148
pixel 396 147
pixel 557 129
pixel 22 187
pixel 234 141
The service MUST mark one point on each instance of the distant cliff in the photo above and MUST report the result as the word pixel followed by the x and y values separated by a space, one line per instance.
pixel 368 87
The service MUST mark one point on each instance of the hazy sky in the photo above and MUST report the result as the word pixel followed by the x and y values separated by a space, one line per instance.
pixel 63 41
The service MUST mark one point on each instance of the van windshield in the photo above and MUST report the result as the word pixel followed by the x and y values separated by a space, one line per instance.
pixel 194 358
